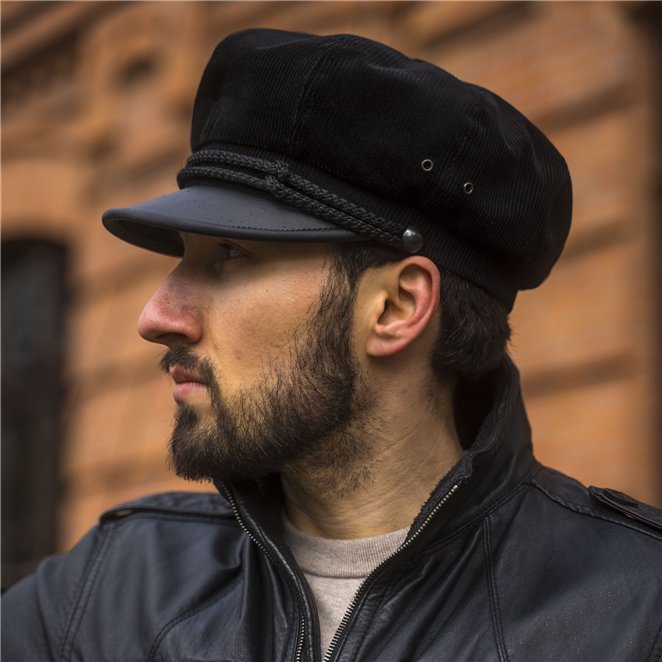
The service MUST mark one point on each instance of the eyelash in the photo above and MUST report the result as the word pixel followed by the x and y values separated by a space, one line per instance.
pixel 230 251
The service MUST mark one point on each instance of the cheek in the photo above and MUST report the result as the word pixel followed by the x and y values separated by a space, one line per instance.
pixel 255 332
pixel 255 337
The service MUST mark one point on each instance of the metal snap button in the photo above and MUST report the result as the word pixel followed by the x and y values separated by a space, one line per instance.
pixel 412 240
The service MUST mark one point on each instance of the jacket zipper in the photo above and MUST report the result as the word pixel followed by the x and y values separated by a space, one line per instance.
pixel 262 548
pixel 359 591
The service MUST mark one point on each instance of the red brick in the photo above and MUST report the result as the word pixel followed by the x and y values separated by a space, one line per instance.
pixel 53 211
pixel 606 190
pixel 600 434
pixel 431 21
pixel 104 333
pixel 581 314
pixel 561 56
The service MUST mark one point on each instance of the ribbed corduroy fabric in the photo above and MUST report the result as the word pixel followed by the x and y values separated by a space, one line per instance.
pixel 360 118
pixel 353 132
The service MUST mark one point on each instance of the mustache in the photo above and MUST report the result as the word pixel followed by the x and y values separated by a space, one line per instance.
pixel 184 358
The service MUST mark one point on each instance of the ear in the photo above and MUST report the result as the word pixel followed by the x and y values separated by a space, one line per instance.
pixel 409 296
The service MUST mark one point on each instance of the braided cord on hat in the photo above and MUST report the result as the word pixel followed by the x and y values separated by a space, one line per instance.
pixel 293 190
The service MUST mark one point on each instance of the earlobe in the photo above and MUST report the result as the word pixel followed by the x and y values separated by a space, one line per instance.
pixel 410 297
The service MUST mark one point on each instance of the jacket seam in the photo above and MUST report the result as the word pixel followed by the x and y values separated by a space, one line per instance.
pixel 169 517
pixel 655 651
pixel 168 627
pixel 484 513
pixel 495 609
pixel 176 501
pixel 589 512
pixel 113 516
pixel 83 595
pixel 375 609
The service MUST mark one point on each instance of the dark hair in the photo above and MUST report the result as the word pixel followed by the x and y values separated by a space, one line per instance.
pixel 474 325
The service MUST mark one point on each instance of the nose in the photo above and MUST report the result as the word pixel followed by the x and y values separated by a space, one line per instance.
pixel 171 317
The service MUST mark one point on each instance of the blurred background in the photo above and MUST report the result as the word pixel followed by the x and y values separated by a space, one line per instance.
pixel 96 104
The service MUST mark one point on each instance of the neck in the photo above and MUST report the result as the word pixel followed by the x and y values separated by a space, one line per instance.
pixel 371 480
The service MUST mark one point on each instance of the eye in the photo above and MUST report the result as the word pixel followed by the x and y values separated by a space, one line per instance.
pixel 222 257
pixel 228 251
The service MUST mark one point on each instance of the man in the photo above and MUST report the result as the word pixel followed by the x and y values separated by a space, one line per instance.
pixel 352 229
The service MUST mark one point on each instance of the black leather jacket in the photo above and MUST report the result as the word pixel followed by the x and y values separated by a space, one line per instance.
pixel 508 560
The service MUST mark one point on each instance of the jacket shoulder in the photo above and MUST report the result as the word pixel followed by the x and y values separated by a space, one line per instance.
pixel 601 503
pixel 184 504
pixel 160 549
pixel 577 572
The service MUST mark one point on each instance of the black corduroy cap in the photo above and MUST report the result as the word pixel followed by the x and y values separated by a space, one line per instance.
pixel 297 137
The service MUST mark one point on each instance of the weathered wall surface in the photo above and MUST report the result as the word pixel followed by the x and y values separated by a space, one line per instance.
pixel 96 110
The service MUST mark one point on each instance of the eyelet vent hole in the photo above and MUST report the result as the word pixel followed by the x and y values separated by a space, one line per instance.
pixel 468 188
pixel 427 165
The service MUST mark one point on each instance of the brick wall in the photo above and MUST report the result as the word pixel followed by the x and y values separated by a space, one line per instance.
pixel 96 107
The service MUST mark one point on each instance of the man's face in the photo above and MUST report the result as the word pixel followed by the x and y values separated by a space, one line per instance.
pixel 259 338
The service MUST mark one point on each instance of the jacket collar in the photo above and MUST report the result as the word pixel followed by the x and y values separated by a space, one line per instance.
pixel 494 429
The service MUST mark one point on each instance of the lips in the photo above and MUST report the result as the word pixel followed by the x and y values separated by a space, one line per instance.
pixel 187 383
pixel 180 376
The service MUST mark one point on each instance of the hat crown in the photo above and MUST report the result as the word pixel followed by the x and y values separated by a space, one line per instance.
pixel 401 138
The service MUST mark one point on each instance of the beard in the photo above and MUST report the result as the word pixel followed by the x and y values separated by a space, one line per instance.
pixel 304 409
